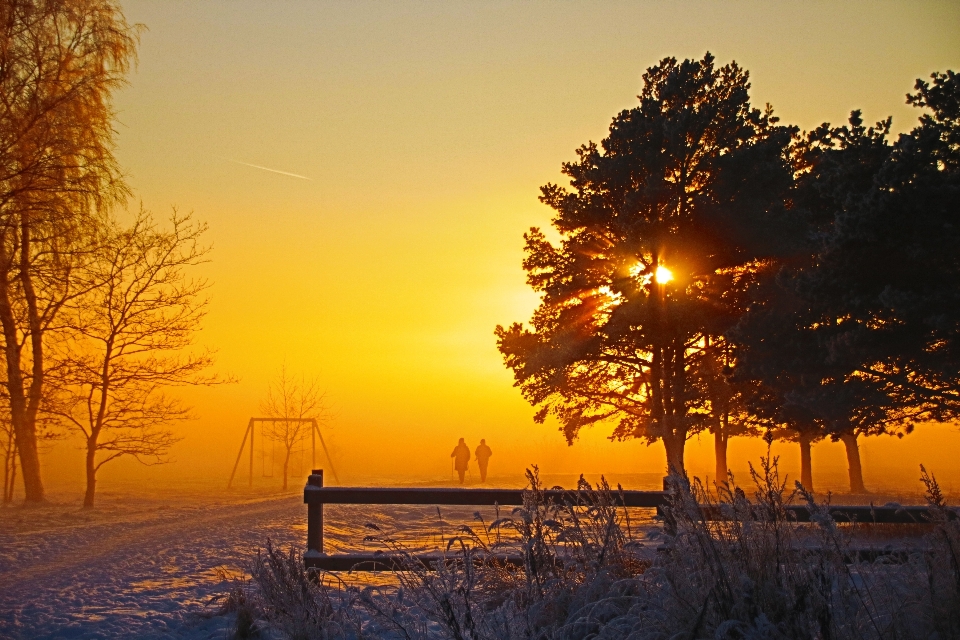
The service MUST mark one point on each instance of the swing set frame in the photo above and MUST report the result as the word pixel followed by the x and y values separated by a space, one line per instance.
pixel 314 435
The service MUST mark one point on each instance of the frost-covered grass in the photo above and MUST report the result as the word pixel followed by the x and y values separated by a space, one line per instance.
pixel 751 574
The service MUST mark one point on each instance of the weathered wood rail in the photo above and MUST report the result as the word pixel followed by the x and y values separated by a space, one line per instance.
pixel 315 495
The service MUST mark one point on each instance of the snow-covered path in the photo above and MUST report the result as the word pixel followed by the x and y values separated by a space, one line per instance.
pixel 142 574
pixel 148 566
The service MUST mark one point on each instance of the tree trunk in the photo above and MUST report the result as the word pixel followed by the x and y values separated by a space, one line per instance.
pixel 9 458
pixel 13 479
pixel 88 497
pixel 10 484
pixel 806 467
pixel 286 464
pixel 853 463
pixel 35 389
pixel 720 451
pixel 674 444
pixel 22 417
pixel 29 456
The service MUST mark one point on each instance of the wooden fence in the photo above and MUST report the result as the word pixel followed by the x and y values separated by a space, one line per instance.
pixel 315 495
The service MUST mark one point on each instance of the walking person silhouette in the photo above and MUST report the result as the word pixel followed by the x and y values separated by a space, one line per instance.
pixel 461 457
pixel 483 454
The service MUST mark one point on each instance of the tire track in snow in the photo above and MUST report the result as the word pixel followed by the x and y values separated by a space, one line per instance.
pixel 143 577
pixel 136 537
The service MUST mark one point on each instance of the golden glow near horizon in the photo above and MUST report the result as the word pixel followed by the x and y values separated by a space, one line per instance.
pixel 663 275
pixel 426 130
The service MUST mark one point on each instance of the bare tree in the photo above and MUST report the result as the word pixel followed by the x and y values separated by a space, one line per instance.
pixel 132 334
pixel 292 402
pixel 60 61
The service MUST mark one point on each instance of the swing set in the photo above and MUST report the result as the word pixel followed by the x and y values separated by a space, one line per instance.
pixel 314 435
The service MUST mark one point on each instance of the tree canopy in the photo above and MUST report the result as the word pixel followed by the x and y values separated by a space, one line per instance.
pixel 715 263
pixel 689 183
pixel 856 333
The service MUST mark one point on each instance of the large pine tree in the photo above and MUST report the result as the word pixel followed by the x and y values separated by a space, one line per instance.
pixel 663 229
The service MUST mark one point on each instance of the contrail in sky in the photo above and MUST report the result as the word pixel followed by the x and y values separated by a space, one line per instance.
pixel 256 166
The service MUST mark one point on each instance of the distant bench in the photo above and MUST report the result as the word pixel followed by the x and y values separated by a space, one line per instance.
pixel 315 495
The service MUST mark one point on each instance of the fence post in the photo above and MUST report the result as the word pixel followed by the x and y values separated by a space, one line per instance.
pixel 315 517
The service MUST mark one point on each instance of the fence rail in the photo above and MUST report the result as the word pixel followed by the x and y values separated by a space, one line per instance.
pixel 467 497
pixel 315 495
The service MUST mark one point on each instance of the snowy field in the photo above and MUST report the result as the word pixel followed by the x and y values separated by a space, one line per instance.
pixel 141 568
pixel 150 566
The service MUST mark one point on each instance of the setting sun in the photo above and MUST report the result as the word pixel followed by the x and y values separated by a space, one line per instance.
pixel 663 275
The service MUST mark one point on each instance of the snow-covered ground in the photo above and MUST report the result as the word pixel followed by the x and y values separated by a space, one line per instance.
pixel 139 569
pixel 149 565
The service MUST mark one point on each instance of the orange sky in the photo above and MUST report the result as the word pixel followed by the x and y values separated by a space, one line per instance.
pixel 425 129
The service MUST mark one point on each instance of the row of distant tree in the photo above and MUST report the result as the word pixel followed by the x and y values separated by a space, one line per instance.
pixel 718 271
pixel 97 310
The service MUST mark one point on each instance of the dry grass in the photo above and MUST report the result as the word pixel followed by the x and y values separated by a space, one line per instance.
pixel 754 573
pixel 570 551
pixel 240 599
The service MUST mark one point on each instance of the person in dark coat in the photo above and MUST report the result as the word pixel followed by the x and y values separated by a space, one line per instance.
pixel 461 458
pixel 483 454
